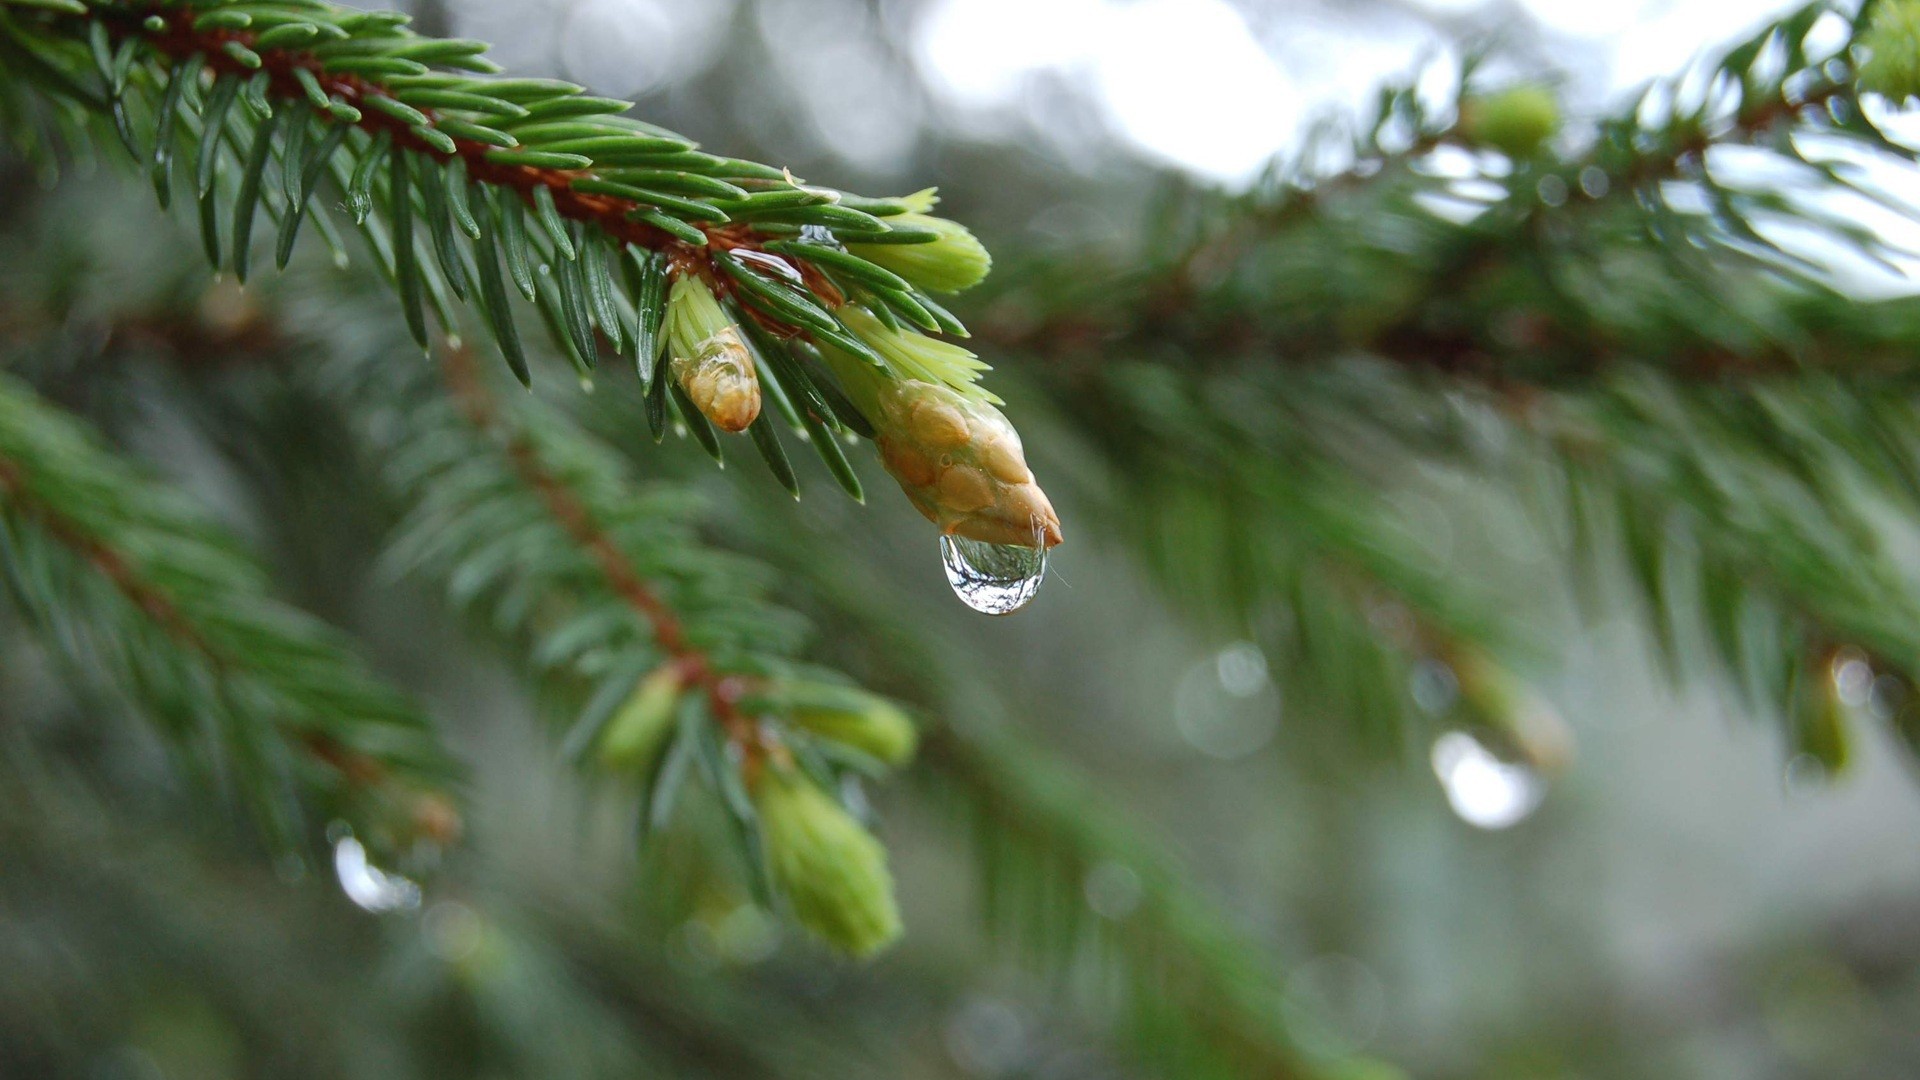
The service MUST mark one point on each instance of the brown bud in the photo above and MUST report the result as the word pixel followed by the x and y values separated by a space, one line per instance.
pixel 961 464
pixel 720 380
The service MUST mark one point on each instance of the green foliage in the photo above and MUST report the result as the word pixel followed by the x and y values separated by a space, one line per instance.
pixel 1617 325
pixel 667 654
pixel 831 870
pixel 1663 312
pixel 1517 121
pixel 124 576
pixel 442 164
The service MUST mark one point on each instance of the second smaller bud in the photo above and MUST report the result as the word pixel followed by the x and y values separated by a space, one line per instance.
pixel 710 362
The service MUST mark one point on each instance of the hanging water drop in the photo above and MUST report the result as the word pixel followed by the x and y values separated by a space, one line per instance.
pixel 368 886
pixel 998 579
pixel 1483 790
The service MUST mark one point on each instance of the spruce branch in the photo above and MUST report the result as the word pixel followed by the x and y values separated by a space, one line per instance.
pixel 677 671
pixel 1192 1004
pixel 693 669
pixel 1532 279
pixel 130 583
pixel 1754 529
pixel 599 219
pixel 1449 248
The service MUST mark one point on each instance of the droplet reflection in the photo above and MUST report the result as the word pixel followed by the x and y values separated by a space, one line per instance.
pixel 366 884
pixel 997 579
pixel 1485 791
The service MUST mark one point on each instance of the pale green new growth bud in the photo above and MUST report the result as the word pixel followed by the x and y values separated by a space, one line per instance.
pixel 710 358
pixel 634 736
pixel 866 722
pixel 954 262
pixel 957 458
pixel 1892 42
pixel 1516 121
pixel 832 871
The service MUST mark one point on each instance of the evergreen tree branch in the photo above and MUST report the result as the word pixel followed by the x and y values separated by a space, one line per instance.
pixel 1192 1003
pixel 678 672
pixel 1471 240
pixel 722 280
pixel 99 903
pixel 128 581
pixel 1526 278
pixel 1755 530
pixel 694 669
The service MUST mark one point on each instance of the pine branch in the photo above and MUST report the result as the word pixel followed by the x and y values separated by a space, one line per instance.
pixel 1755 530
pixel 722 280
pixel 677 670
pixel 540 577
pixel 127 581
pixel 1476 241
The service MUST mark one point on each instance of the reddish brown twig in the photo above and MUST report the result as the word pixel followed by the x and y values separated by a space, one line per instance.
pixel 695 668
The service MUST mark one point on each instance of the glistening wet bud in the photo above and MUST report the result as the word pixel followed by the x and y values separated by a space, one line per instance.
pixel 710 358
pixel 847 715
pixel 831 870
pixel 634 736
pixel 961 464
pixel 959 461
pixel 950 263
pixel 1892 43
pixel 1516 121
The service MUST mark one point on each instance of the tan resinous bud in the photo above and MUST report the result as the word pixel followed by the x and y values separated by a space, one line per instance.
pixel 961 464
pixel 710 358
pixel 831 869
pixel 957 458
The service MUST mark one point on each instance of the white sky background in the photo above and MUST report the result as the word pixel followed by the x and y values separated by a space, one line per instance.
pixel 1197 84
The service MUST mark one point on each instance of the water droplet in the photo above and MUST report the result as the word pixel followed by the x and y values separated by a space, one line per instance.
pixel 1242 668
pixel 998 579
pixel 366 884
pixel 820 234
pixel 772 264
pixel 1484 790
